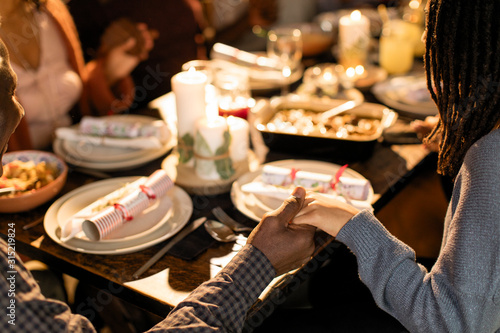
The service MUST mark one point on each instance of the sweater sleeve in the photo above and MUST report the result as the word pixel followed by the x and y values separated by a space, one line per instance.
pixel 461 292
pixel 220 304
pixel 104 99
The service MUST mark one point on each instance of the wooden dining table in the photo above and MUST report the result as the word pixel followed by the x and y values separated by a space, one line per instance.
pixel 388 168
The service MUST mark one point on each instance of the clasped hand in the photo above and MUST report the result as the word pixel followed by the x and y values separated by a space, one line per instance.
pixel 286 235
pixel 124 45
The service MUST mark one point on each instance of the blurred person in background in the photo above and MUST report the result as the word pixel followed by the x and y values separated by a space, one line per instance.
pixel 56 87
pixel 177 23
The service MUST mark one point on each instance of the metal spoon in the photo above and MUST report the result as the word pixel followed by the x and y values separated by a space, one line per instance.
pixel 220 231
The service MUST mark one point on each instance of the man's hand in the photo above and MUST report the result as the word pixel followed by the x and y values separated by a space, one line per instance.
pixel 286 245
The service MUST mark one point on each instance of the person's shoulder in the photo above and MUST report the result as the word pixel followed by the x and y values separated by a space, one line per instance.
pixel 490 143
pixel 484 154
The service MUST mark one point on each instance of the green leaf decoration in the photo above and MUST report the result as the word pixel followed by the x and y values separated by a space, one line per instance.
pixel 201 145
pixel 185 146
pixel 224 166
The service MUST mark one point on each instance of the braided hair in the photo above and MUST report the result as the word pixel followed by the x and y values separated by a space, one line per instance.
pixel 462 61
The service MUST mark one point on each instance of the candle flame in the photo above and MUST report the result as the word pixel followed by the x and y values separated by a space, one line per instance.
pixel 356 15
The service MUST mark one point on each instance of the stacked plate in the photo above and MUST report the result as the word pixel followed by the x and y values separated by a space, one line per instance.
pixel 108 158
pixel 407 93
pixel 255 206
pixel 157 223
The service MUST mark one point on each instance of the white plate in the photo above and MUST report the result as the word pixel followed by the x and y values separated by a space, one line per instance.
pixel 111 158
pixel 147 156
pixel 92 153
pixel 164 223
pixel 254 206
pixel 406 93
pixel 101 154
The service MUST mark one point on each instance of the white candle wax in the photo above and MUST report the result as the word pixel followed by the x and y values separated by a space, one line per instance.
pixel 354 37
pixel 210 136
pixel 189 91
pixel 238 128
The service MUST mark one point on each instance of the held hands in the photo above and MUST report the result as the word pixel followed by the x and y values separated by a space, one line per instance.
pixel 123 45
pixel 325 213
pixel 286 245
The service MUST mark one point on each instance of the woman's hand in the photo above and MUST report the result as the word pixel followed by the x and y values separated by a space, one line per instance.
pixel 325 213
pixel 123 45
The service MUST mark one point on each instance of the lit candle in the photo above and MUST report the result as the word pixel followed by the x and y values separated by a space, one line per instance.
pixel 238 128
pixel 354 37
pixel 189 91
pixel 211 148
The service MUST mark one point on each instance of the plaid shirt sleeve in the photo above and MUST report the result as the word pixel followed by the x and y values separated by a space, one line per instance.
pixel 24 308
pixel 220 304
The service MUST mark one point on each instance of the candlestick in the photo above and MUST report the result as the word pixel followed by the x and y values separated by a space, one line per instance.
pixel 211 149
pixel 189 91
pixel 354 37
pixel 238 128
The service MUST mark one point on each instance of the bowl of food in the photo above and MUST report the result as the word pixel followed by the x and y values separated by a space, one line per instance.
pixel 34 178
pixel 295 124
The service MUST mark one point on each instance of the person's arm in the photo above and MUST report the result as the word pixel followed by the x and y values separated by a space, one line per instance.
pixel 462 291
pixel 109 82
pixel 220 304
pixel 25 309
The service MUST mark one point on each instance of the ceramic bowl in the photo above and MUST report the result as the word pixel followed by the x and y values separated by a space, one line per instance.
pixel 27 201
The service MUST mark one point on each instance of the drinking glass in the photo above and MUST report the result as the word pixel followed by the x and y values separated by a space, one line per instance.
pixel 285 45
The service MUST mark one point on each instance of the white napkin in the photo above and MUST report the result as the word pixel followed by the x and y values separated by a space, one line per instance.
pixel 73 226
pixel 70 134
pixel 281 193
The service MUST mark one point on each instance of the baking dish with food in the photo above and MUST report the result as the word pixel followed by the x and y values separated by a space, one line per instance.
pixel 293 124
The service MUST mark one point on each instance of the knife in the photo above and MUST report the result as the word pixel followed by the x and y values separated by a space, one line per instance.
pixel 184 232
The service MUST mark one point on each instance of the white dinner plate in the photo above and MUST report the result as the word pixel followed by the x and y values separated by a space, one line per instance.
pixel 254 206
pixel 101 154
pixel 162 220
pixel 406 93
pixel 109 158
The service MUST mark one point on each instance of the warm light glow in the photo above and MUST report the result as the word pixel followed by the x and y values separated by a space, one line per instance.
pixel 356 15
pixel 359 70
pixel 327 76
pixel 350 72
pixel 287 72
pixel 414 4
pixel 212 111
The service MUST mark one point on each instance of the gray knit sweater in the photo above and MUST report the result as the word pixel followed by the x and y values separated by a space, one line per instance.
pixel 462 291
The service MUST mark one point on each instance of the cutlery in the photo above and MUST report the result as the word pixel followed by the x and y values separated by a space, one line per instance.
pixel 34 223
pixel 93 173
pixel 339 109
pixel 183 233
pixel 7 190
pixel 229 221
pixel 219 231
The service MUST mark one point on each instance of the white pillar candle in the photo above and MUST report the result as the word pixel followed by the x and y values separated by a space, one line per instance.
pixel 238 128
pixel 189 91
pixel 354 37
pixel 211 149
